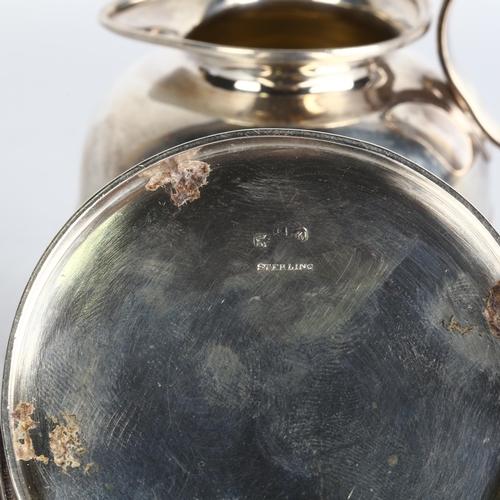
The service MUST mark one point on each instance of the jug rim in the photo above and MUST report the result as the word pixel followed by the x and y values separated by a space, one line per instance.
pixel 112 16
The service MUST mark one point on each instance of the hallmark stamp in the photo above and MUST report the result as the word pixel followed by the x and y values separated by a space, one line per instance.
pixel 300 234
pixel 263 240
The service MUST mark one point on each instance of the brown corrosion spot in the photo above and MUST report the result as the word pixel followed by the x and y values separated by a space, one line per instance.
pixel 65 443
pixel 88 467
pixel 453 326
pixel 23 423
pixel 185 177
pixel 493 310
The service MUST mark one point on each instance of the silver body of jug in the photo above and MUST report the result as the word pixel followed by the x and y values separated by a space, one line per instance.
pixel 376 92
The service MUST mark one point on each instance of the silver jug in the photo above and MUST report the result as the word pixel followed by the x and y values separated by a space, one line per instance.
pixel 366 87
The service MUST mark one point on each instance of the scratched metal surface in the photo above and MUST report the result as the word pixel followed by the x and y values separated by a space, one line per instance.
pixel 290 334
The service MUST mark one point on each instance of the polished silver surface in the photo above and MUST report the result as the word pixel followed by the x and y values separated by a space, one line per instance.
pixel 459 76
pixel 312 326
pixel 167 22
pixel 371 92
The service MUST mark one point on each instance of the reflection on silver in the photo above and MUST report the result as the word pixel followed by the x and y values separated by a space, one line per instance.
pixel 374 92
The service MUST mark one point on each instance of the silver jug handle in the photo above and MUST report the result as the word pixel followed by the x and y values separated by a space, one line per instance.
pixel 462 91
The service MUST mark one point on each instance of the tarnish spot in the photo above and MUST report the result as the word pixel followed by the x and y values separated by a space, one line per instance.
pixel 65 443
pixel 90 468
pixel 184 175
pixel 493 310
pixel 23 423
pixel 225 377
pixel 87 468
pixel 453 326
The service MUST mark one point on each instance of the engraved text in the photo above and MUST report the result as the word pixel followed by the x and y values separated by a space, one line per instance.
pixel 285 267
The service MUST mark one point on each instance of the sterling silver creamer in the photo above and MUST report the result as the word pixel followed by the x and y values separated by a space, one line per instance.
pixel 271 313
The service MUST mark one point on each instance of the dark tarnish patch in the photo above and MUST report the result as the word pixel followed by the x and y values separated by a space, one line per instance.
pixel 185 177
pixel 493 310
pixel 65 443
pixel 23 423
pixel 454 326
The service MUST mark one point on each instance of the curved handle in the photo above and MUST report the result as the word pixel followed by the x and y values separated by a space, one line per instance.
pixel 488 124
